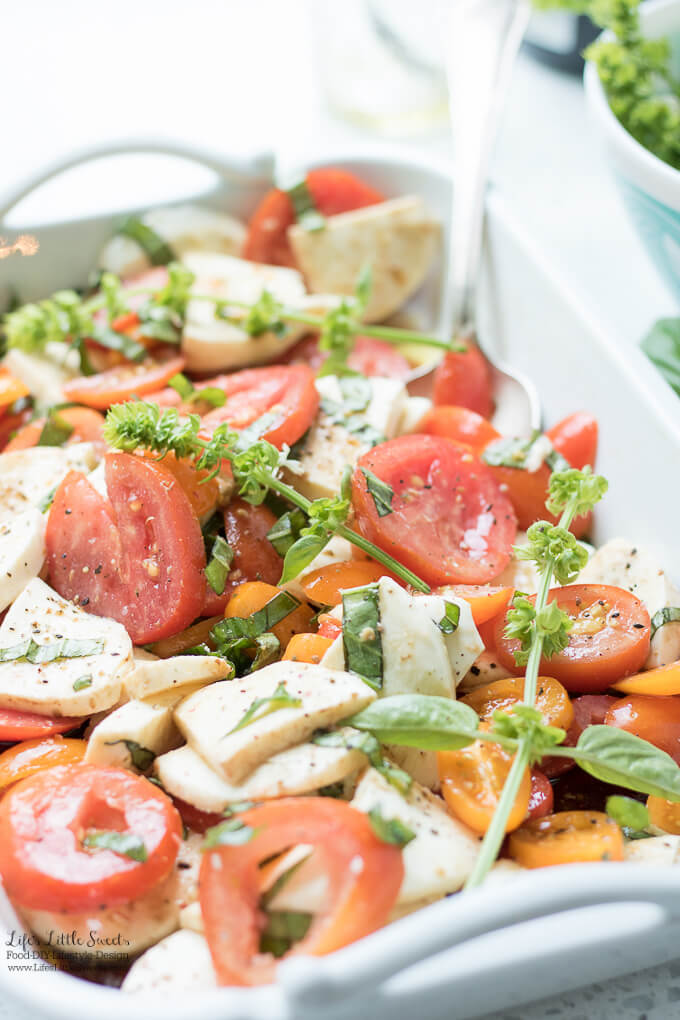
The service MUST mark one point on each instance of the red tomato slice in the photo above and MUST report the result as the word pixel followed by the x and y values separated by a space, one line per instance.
pixel 541 798
pixel 329 627
pixel 255 558
pixel 575 437
pixel 449 523
pixel 460 424
pixel 333 191
pixel 364 876
pixel 138 558
pixel 194 818
pixel 87 424
pixel 16 725
pixel 43 820
pixel 589 710
pixel 652 717
pixel 370 356
pixel 464 379
pixel 10 422
pixel 287 392
pixel 609 638
pixel 117 385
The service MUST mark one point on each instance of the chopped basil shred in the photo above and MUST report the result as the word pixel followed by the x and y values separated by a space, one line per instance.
pixel 82 682
pixel 630 815
pixel 282 930
pixel 67 648
pixel 304 207
pixel 124 843
pixel 47 500
pixel 158 251
pixel 382 493
pixel 234 637
pixel 286 531
pixel 369 745
pixel 451 618
pixel 217 570
pixel 669 614
pixel 361 634
pixel 390 830
pixel 141 757
pixel 55 431
pixel 212 395
pixel 232 832
pixel 126 345
pixel 265 706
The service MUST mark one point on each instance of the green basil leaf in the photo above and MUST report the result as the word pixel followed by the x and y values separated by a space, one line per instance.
pixel 390 830
pixel 158 251
pixel 304 207
pixel 451 618
pixel 55 431
pixel 67 648
pixel 382 493
pixel 124 843
pixel 361 633
pixel 630 815
pixel 126 345
pixel 82 682
pixel 616 756
pixel 232 832
pixel 362 289
pixel 217 570
pixel 233 630
pixel 301 554
pixel 212 395
pixel 268 650
pixel 141 757
pixel 370 746
pixel 425 721
pixel 662 347
pixel 182 385
pixel 47 500
pixel 669 614
pixel 286 531
pixel 265 706
pixel 282 930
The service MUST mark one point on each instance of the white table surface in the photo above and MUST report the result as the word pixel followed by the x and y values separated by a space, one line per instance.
pixel 239 75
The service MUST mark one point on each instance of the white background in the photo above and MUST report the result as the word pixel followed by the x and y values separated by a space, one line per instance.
pixel 240 76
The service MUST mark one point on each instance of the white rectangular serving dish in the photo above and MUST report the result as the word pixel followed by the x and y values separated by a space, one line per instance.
pixel 547 931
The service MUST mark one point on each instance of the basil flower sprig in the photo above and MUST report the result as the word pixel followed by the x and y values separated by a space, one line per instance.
pixel 256 472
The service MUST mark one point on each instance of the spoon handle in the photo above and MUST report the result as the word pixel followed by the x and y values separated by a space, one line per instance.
pixel 485 36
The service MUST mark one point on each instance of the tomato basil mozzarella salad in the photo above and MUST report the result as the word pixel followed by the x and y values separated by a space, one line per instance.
pixel 287 652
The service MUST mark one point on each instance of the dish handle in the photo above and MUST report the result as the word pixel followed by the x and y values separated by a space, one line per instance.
pixel 312 984
pixel 257 170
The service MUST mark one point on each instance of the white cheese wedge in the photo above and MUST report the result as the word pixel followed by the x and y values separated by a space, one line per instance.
pixel 179 963
pixel 22 553
pixel 444 851
pixel 398 239
pixel 44 375
pixel 415 410
pixel 185 228
pixel 624 565
pixel 208 719
pixel 485 669
pixel 168 681
pixel 214 345
pixel 28 476
pixel 321 461
pixel 297 770
pixel 384 410
pixel 657 850
pixel 131 730
pixel 48 688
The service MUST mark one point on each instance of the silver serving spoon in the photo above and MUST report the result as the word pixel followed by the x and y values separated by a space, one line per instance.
pixel 485 38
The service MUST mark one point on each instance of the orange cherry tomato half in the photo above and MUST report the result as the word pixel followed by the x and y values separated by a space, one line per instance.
pixel 472 781
pixel 449 520
pixel 541 798
pixel 364 876
pixel 485 600
pixel 116 385
pixel 307 648
pixel 567 837
pixel 87 424
pixel 656 719
pixel 137 557
pixel 333 191
pixel 285 396
pixel 664 814
pixel 662 681
pixel 460 424
pixel 17 725
pixel 250 597
pixel 528 491
pixel 255 558
pixel 552 700
pixel 464 379
pixel 44 819
pixel 609 638
pixel 11 389
pixel 31 756
pixel 575 437
pixel 326 585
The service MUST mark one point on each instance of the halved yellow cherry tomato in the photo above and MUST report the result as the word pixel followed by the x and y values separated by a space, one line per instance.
pixel 252 596
pixel 552 700
pixel 472 782
pixel 326 585
pixel 307 648
pixel 567 837
pixel 31 756
pixel 485 600
pixel 664 680
pixel 665 814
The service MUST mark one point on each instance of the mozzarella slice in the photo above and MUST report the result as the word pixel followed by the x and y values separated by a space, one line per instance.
pixel 208 718
pixel 297 770
pixel 658 850
pixel 326 450
pixel 133 725
pixel 398 239
pixel 180 963
pixel 444 851
pixel 48 688
pixel 186 228
pixel 22 553
pixel 168 681
pixel 385 408
pixel 485 669
pixel 28 476
pixel 415 410
pixel 624 565
pixel 44 375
